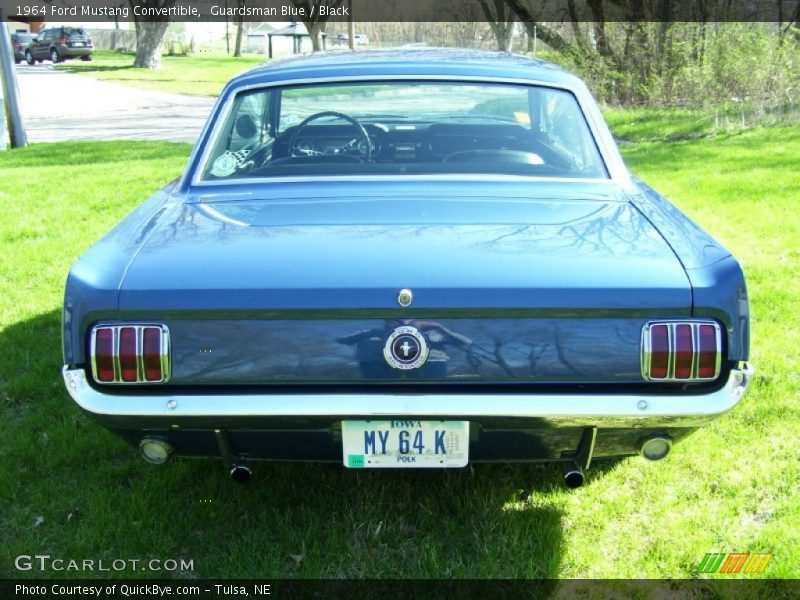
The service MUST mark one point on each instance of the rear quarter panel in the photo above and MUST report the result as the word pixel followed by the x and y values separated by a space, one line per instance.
pixel 92 287
pixel 719 289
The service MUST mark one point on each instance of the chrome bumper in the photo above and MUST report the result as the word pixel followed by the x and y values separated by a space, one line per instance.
pixel 605 410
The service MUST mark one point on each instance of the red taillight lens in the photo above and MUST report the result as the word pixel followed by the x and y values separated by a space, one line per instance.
pixel 707 347
pixel 130 353
pixel 104 354
pixel 681 351
pixel 63 41
pixel 17 46
pixel 659 352
pixel 127 353
pixel 151 354
pixel 684 352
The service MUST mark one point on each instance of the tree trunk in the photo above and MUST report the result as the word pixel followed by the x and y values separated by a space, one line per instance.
pixel 237 51
pixel 795 21
pixel 501 21
pixel 314 29
pixel 315 25
pixel 351 27
pixel 666 15
pixel 149 43
pixel 601 41
pixel 506 38
pixel 530 32
pixel 150 34
pixel 547 34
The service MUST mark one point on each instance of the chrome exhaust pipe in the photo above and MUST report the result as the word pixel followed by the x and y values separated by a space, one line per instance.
pixel 573 475
pixel 241 473
pixel 155 450
pixel 656 447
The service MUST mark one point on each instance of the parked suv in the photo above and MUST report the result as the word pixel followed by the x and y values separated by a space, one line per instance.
pixel 20 42
pixel 60 43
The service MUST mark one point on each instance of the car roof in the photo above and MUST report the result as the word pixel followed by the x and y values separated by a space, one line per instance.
pixel 445 62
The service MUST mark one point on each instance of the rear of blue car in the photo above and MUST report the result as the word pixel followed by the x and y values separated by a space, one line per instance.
pixel 477 278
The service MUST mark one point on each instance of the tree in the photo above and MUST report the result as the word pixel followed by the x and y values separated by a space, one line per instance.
pixel 240 4
pixel 501 19
pixel 794 21
pixel 529 15
pixel 315 25
pixel 150 32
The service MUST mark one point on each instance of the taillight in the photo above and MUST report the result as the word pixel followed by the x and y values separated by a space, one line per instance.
pixel 63 41
pixel 681 351
pixel 684 351
pixel 707 351
pixel 130 353
pixel 659 352
pixel 17 46
pixel 104 355
pixel 152 357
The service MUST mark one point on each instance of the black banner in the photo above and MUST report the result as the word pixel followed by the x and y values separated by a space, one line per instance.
pixel 551 11
pixel 363 589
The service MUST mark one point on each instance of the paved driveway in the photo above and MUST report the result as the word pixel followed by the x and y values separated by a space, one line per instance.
pixel 59 106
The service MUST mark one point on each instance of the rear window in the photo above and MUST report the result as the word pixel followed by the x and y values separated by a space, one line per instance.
pixel 404 127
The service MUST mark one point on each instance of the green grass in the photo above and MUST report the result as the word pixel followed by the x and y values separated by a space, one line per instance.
pixel 675 124
pixel 732 486
pixel 198 75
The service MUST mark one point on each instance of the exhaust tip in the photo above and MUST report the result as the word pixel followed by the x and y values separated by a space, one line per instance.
pixel 155 450
pixel 656 448
pixel 573 474
pixel 241 474
pixel 573 478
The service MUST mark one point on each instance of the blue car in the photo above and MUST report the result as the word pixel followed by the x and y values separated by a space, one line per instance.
pixel 406 259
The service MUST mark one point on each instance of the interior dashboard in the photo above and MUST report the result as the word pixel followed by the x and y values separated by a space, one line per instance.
pixel 395 142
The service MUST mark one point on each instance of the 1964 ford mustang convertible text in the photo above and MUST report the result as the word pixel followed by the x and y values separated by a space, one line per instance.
pixel 407 258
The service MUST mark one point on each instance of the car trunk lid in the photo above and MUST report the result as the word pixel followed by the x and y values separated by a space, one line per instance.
pixel 295 289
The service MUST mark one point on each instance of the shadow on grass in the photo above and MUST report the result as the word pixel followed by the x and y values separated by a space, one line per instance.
pixel 90 68
pixel 30 359
pixel 734 152
pixel 98 498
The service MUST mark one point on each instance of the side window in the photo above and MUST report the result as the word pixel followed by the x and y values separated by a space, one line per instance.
pixel 565 127
pixel 245 141
pixel 249 127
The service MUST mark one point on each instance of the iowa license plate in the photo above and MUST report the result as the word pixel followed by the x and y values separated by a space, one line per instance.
pixel 408 444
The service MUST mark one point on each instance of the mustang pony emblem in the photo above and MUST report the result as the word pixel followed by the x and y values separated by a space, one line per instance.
pixel 405 348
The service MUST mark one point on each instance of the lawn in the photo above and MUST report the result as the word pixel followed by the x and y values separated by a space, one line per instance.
pixel 70 489
pixel 671 124
pixel 197 75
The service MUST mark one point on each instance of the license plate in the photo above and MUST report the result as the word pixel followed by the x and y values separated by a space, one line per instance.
pixel 78 44
pixel 405 444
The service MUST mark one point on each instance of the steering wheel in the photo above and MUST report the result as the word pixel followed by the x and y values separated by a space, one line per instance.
pixel 361 133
